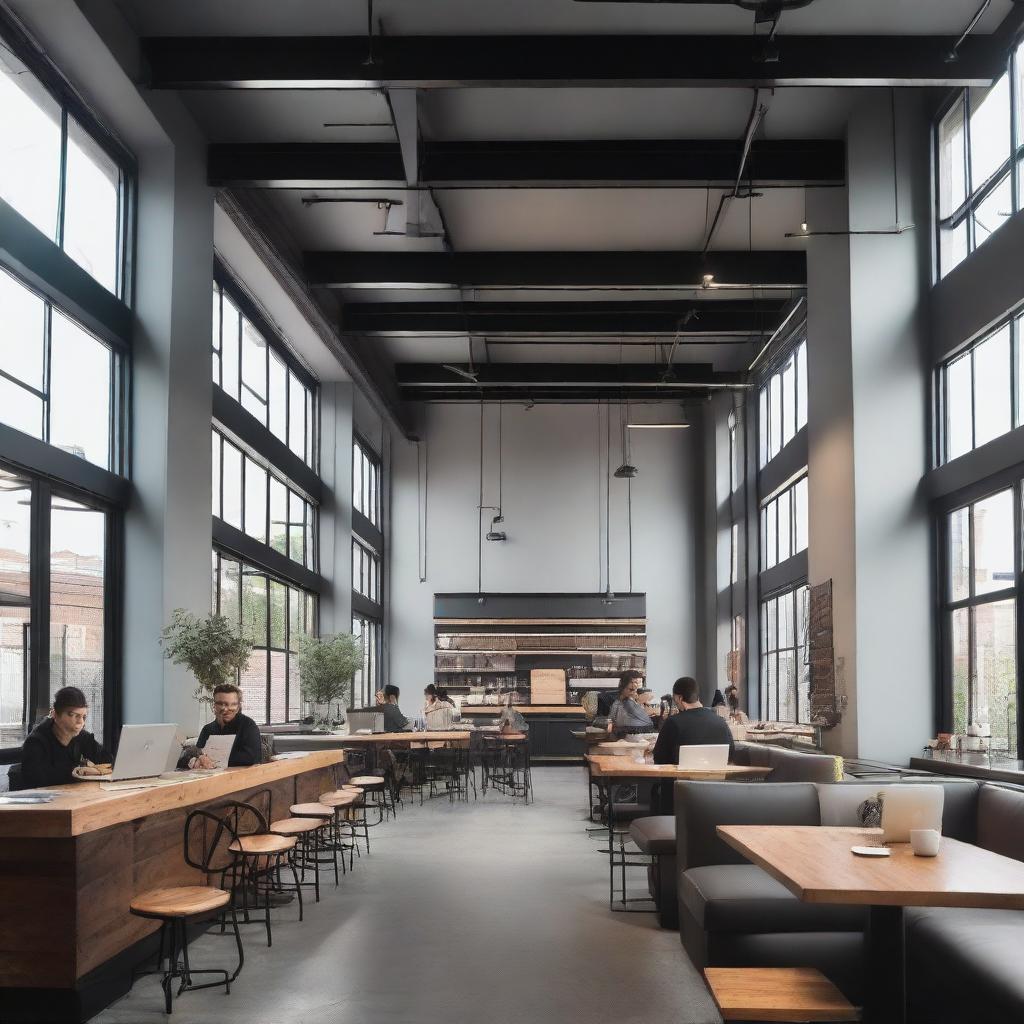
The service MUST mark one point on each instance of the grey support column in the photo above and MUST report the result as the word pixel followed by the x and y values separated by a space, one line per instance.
pixel 336 402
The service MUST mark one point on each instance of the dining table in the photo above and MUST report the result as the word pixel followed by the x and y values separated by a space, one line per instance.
pixel 816 863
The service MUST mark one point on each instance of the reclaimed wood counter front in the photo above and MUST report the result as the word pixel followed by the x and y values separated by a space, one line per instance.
pixel 69 869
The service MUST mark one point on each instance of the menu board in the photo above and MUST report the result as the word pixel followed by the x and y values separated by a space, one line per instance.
pixel 824 702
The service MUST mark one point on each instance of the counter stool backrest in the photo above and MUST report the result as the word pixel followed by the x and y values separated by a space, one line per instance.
pixel 208 834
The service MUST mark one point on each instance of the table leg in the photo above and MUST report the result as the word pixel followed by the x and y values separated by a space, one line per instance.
pixel 884 981
pixel 611 844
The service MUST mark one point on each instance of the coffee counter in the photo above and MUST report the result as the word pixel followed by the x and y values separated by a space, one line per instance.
pixel 70 868
pixel 551 728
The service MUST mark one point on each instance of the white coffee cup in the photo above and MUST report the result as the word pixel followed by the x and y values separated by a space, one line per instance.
pixel 925 841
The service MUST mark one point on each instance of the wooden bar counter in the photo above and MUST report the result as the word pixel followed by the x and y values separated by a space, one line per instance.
pixel 69 868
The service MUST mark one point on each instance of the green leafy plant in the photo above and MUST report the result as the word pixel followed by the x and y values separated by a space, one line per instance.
pixel 210 648
pixel 326 667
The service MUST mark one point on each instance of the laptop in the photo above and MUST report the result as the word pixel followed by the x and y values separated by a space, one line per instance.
pixel 704 755
pixel 362 721
pixel 909 807
pixel 143 751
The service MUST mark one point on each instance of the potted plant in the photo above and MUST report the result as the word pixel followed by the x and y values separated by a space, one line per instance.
pixel 210 648
pixel 326 667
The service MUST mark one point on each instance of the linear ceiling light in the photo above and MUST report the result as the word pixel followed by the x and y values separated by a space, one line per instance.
pixel 657 426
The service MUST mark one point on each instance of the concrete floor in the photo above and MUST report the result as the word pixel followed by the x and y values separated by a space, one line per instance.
pixel 485 911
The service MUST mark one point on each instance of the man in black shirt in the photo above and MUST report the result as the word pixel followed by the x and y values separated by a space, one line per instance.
pixel 228 721
pixel 58 744
pixel 694 724
pixel 394 720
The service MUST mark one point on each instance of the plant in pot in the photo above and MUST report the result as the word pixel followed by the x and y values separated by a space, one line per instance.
pixel 210 648
pixel 326 667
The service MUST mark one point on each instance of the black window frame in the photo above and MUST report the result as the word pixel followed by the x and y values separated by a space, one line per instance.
pixel 788 352
pixel 793 590
pixel 371 657
pixel 371 464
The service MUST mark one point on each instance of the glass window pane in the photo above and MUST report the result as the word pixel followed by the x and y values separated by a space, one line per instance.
pixel 993 543
pixel 215 475
pixel 952 162
pixel 230 591
pixel 788 401
pixel 959 553
pixel 15 603
pixel 960 636
pixel 20 408
pixel 254 372
pixel 232 503
pixel 22 329
pixel 771 631
pixel 990 130
pixel 770 536
pixel 310 431
pixel 783 506
pixel 278 397
pixel 787 621
pixel 254 606
pixel 77 573
pixel 787 687
pixel 278 688
pixel 91 206
pixel 80 377
pixel 801 385
pixel 278 614
pixel 230 327
pixel 800 511
pixel 215 324
pixel 762 428
pixel 296 526
pixel 995 668
pixel 255 501
pixel 311 561
pixel 992 385
pixel 29 145
pixel 278 516
pixel 296 416
pixel 1020 364
pixel 357 478
pixel 253 683
pixel 774 416
pixel 959 410
pixel 952 247
pixel 993 212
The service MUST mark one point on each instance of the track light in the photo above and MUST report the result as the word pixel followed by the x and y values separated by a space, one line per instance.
pixel 803 226
pixel 707 280
pixel 626 471
pixel 496 535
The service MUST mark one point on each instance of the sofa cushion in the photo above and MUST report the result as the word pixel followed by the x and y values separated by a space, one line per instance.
pixel 1001 821
pixel 655 835
pixel 743 898
pixel 702 806
pixel 973 952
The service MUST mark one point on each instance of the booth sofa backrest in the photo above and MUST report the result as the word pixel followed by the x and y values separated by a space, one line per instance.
pixel 787 765
pixel 1001 820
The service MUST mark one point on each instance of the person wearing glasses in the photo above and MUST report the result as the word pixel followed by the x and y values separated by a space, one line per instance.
pixel 59 744
pixel 228 721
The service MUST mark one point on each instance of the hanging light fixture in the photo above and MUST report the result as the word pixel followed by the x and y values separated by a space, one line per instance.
pixel 627 471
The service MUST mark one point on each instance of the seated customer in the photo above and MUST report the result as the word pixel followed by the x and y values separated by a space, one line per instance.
pixel 439 714
pixel 59 744
pixel 693 725
pixel 627 715
pixel 228 721
pixel 394 720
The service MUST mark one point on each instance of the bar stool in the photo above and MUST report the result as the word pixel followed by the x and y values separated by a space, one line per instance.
pixel 341 801
pixel 376 792
pixel 324 817
pixel 304 831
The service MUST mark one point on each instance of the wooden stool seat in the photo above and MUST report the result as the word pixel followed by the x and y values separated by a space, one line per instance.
pixel 179 901
pixel 338 798
pixel 367 781
pixel 294 826
pixel 262 844
pixel 312 810
pixel 777 994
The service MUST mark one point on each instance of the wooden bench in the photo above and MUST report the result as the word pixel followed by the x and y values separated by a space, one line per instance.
pixel 794 994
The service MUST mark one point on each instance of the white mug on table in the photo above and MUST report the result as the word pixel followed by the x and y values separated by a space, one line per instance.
pixel 925 841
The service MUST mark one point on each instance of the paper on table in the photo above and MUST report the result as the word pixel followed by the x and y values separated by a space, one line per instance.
pixel 218 750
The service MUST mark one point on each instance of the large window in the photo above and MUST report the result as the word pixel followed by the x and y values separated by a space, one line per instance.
pixel 365 571
pixel 785 671
pixel 254 498
pixel 365 482
pixel 54 603
pixel 782 405
pixel 254 373
pixel 978 143
pixel 61 176
pixel 57 381
pixel 274 615
pixel 980 392
pixel 367 680
pixel 980 600
pixel 784 525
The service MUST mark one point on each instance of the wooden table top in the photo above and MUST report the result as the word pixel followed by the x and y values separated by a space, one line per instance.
pixel 404 737
pixel 526 709
pixel 815 864
pixel 618 766
pixel 84 807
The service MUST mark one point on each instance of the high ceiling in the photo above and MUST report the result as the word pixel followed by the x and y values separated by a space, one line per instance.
pixel 556 197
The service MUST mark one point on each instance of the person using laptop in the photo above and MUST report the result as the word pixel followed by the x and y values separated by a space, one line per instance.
pixel 693 725
pixel 228 721
pixel 59 744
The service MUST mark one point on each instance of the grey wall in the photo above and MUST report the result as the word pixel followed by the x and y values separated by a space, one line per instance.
pixel 553 518
pixel 336 402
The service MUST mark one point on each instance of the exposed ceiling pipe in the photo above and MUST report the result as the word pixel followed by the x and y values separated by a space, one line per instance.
pixel 757 112
pixel 954 52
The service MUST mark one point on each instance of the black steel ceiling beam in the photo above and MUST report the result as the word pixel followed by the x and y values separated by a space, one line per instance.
pixel 554 381
pixel 540 164
pixel 413 270
pixel 716 318
pixel 425 62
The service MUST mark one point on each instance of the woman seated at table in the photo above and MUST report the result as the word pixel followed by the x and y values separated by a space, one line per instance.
pixel 627 714
pixel 59 744
pixel 439 713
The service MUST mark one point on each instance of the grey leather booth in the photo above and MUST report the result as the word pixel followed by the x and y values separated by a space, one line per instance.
pixel 656 836
pixel 731 913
